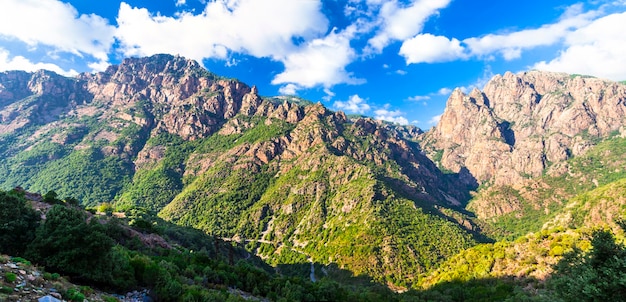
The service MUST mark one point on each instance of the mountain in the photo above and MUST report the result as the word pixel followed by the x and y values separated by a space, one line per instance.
pixel 522 124
pixel 300 182
pixel 319 194
pixel 523 139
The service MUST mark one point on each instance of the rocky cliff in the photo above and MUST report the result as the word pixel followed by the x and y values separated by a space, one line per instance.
pixel 522 124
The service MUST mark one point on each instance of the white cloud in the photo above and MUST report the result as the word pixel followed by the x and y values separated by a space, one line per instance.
pixel 435 119
pixel 444 91
pixel 181 2
pixel 400 23
pixel 597 49
pixel 320 61
pixel 354 104
pixel 261 28
pixel 289 89
pixel 21 63
pixel 427 48
pixel 395 116
pixel 56 24
pixel 510 45
pixel 401 72
pixel 419 98
pixel 329 94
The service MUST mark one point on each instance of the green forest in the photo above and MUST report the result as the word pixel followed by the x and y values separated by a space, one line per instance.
pixel 100 251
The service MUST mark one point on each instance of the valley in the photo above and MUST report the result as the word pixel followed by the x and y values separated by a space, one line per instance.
pixel 484 206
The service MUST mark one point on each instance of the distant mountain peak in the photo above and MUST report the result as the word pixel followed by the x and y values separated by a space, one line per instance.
pixel 522 123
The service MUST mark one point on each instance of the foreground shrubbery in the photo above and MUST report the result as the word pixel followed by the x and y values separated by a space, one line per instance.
pixel 103 252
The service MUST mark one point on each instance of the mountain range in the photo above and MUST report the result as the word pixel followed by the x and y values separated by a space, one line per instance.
pixel 298 183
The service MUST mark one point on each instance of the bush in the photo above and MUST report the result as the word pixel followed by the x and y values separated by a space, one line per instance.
pixel 51 276
pixel 599 275
pixel 106 208
pixel 73 294
pixel 68 244
pixel 6 290
pixel 20 260
pixel 10 277
pixel 18 222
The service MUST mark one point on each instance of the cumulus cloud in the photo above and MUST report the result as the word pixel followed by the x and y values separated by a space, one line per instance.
pixel 21 63
pixel 596 49
pixel 320 61
pixel 399 22
pixel 58 25
pixel 427 48
pixel 394 116
pixel 444 91
pixel 510 45
pixel 354 104
pixel 435 119
pixel 289 89
pixel 261 28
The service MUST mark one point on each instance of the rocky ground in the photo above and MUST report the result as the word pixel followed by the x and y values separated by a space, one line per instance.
pixel 22 281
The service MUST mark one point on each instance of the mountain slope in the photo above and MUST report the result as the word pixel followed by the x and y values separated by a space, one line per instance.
pixel 304 187
pixel 521 124
pixel 306 183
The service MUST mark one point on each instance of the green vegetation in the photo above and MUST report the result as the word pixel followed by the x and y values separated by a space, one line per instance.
pixel 88 175
pixel 103 253
pixel 599 275
pixel 18 222
pixel 156 187
pixel 66 242
pixel 575 192
pixel 10 277
pixel 584 76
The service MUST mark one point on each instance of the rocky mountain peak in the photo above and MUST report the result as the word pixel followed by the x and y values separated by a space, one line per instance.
pixel 522 123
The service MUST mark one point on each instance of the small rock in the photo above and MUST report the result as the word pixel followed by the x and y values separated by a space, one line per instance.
pixel 22 272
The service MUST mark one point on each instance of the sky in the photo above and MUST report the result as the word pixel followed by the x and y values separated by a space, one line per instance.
pixel 395 60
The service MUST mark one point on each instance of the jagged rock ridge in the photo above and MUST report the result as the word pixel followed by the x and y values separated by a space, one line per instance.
pixel 522 124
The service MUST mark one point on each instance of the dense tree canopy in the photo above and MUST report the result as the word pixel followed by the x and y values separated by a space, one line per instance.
pixel 18 222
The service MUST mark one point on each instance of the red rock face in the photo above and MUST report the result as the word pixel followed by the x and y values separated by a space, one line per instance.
pixel 520 123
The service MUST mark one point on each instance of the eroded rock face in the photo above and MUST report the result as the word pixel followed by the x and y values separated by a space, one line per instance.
pixel 522 123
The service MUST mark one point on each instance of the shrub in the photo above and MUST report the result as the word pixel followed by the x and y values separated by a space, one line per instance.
pixel 73 294
pixel 51 276
pixel 67 244
pixel 20 260
pixel 105 207
pixel 6 290
pixel 18 222
pixel 10 277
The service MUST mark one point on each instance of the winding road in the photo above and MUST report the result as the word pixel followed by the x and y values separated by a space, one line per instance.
pixel 279 244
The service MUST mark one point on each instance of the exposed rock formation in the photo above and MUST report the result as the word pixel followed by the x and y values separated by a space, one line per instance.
pixel 521 124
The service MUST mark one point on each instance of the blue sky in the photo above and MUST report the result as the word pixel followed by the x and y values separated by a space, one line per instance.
pixel 396 60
